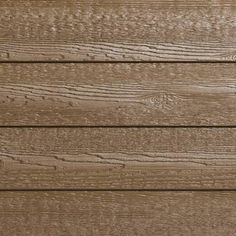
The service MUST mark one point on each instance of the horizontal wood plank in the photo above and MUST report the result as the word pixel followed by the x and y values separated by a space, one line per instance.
pixel 117 30
pixel 100 94
pixel 117 158
pixel 118 213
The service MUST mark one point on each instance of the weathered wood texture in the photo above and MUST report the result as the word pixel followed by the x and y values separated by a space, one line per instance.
pixel 118 213
pixel 117 158
pixel 117 94
pixel 118 30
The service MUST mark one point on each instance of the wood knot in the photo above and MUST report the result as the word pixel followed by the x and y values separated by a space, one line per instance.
pixel 161 101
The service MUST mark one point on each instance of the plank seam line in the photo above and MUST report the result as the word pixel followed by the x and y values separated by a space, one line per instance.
pixel 117 190
pixel 121 62
pixel 119 126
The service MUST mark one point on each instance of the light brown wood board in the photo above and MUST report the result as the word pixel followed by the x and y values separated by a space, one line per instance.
pixel 117 158
pixel 117 213
pixel 117 30
pixel 122 94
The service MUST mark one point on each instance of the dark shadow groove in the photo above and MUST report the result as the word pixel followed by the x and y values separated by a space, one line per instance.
pixel 115 190
pixel 119 126
pixel 115 62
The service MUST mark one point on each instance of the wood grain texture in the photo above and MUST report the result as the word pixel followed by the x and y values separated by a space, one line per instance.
pixel 100 94
pixel 117 158
pixel 118 30
pixel 117 213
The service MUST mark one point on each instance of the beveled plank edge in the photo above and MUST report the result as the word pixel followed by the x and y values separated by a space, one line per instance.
pixel 203 190
pixel 118 126
pixel 162 3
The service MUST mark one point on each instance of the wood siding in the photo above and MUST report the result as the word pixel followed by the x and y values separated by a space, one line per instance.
pixel 118 213
pixel 117 117
pixel 118 158
pixel 118 94
pixel 117 30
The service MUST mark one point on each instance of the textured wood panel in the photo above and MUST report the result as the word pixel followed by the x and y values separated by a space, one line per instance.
pixel 118 213
pixel 117 94
pixel 118 30
pixel 70 177
pixel 117 158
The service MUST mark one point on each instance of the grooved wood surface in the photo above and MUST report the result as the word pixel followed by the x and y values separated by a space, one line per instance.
pixel 118 213
pixel 117 30
pixel 96 94
pixel 117 117
pixel 117 158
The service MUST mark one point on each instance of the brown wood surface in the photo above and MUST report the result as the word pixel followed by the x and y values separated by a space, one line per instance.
pixel 120 148
pixel 117 30
pixel 118 213
pixel 117 158
pixel 97 94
